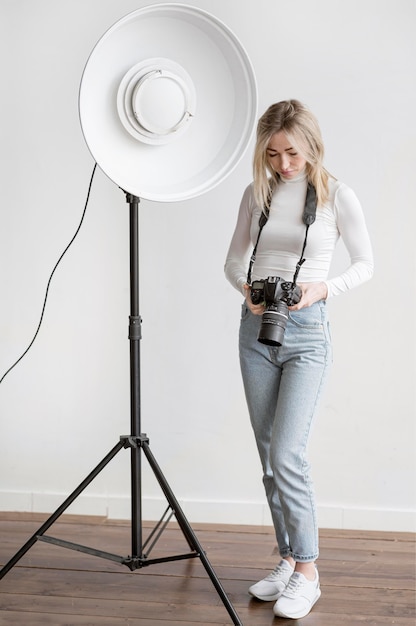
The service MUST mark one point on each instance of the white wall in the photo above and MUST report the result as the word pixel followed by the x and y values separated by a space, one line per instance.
pixel 65 405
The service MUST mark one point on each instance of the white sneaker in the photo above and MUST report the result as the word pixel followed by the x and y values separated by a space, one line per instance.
pixel 298 598
pixel 272 587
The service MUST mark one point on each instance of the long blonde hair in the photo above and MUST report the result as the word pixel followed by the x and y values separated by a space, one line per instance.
pixel 302 129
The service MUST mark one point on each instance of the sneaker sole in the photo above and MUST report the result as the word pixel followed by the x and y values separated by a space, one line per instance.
pixel 300 614
pixel 272 598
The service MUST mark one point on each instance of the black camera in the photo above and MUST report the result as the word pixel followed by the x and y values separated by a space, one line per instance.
pixel 277 295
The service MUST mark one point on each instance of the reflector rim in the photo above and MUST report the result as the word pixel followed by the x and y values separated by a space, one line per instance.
pixel 222 163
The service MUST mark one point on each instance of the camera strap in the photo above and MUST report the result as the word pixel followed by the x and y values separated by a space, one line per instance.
pixel 308 218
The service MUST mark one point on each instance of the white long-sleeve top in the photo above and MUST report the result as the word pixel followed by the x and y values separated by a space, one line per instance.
pixel 282 238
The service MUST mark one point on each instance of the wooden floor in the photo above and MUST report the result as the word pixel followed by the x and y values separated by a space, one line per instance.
pixel 366 577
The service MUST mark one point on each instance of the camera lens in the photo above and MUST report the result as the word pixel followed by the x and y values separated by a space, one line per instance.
pixel 273 324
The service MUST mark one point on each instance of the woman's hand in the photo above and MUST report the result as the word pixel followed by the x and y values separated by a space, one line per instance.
pixel 311 293
pixel 256 309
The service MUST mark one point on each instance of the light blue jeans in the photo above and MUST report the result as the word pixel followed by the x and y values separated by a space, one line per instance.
pixel 282 387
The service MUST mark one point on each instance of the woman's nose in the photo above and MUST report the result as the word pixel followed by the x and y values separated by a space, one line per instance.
pixel 284 161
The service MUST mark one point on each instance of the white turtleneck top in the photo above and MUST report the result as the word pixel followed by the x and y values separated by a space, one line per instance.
pixel 282 238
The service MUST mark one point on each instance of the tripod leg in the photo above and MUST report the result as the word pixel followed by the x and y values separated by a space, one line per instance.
pixel 61 509
pixel 187 531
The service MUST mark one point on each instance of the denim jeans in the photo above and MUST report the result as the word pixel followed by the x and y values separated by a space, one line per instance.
pixel 282 387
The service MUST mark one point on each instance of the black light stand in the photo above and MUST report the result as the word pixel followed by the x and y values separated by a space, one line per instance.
pixel 137 442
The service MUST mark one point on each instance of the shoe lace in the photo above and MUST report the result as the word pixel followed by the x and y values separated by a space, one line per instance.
pixel 294 585
pixel 276 574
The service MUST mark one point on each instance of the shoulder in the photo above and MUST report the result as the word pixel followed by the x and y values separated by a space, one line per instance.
pixel 345 205
pixel 248 193
pixel 248 202
pixel 341 196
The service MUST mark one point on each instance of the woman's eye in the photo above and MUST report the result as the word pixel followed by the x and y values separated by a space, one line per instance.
pixel 273 155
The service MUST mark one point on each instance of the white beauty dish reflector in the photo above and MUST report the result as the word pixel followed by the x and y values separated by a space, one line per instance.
pixel 168 102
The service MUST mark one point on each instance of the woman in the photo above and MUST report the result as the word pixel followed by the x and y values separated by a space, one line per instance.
pixel 283 383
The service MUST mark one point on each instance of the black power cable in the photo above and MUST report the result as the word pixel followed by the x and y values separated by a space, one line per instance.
pixel 51 276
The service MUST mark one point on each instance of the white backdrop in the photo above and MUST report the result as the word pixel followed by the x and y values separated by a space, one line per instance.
pixel 67 402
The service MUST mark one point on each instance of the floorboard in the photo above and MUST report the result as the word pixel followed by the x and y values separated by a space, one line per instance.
pixel 367 578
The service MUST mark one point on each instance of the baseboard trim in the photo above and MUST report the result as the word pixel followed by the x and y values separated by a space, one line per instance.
pixel 250 513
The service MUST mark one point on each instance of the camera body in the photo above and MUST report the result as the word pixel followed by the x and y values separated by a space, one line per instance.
pixel 277 295
pixel 273 289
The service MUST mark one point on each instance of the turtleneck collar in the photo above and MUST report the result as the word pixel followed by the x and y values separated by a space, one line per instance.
pixel 297 179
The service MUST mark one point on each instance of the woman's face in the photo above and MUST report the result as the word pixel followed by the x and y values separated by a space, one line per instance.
pixel 283 157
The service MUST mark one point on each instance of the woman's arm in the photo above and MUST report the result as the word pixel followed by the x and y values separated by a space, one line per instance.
pixel 240 246
pixel 353 230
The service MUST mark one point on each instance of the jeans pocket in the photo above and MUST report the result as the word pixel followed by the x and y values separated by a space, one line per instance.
pixel 309 317
pixel 245 311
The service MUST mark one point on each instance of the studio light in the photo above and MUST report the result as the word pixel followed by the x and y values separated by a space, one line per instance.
pixel 167 105
pixel 168 102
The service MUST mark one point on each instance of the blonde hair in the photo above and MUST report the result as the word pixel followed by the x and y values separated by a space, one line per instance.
pixel 302 129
